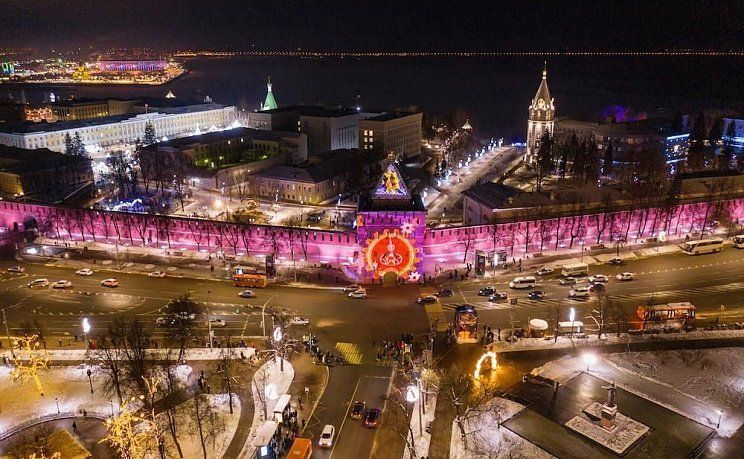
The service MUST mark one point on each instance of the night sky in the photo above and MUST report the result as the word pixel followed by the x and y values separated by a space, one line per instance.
pixel 497 25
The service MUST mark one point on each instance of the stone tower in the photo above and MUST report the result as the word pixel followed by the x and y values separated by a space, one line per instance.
pixel 541 118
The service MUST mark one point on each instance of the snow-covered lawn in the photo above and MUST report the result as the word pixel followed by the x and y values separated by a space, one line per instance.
pixel 188 435
pixel 68 385
pixel 485 440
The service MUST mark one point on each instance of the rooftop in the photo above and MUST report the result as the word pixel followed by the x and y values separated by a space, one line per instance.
pixel 20 160
pixel 382 115
pixel 314 110
pixel 217 136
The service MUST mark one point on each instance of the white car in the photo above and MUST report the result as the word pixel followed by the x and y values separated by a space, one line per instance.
pixel 351 288
pixel 38 283
pixel 62 284
pixel 299 321
pixel 598 278
pixel 16 269
pixel 625 276
pixel 359 293
pixel 215 322
pixel 326 436
pixel 112 282
pixel 247 294
pixel 569 280
pixel 158 274
pixel 84 272
pixel 544 271
pixel 579 291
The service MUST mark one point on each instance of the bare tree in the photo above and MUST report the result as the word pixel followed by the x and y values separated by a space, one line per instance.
pixel 111 358
pixel 210 424
pixel 260 381
pixel 465 239
pixel 183 309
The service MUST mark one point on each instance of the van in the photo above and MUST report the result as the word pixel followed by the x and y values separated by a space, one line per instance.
pixel 579 291
pixel 523 282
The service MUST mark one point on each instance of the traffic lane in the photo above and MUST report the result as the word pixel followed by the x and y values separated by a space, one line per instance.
pixel 353 436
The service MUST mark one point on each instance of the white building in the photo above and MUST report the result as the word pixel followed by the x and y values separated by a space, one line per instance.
pixel 541 119
pixel 120 129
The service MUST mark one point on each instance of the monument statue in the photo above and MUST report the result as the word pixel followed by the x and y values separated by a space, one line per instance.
pixel 611 394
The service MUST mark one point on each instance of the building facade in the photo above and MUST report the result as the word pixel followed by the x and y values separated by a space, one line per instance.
pixel 737 140
pixel 383 132
pixel 132 65
pixel 540 119
pixel 43 175
pixel 119 129
pixel 84 109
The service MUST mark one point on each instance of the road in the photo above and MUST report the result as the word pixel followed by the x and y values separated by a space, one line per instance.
pixel 347 326
pixel 708 281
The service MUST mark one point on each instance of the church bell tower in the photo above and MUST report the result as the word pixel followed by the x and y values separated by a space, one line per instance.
pixel 541 119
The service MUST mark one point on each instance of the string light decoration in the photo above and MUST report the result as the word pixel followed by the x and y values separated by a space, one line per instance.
pixel 129 433
pixel 492 361
pixel 37 360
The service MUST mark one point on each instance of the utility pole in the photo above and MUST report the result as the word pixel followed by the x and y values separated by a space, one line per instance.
pixel 209 328
pixel 7 333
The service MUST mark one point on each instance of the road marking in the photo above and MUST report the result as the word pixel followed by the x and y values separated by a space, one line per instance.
pixel 350 352
pixel 346 415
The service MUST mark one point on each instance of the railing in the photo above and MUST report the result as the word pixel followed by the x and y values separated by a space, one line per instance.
pixel 47 418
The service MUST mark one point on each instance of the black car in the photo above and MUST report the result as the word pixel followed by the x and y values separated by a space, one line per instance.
pixel 536 295
pixel 597 286
pixel 616 261
pixel 445 292
pixel 357 410
pixel 372 418
pixel 486 291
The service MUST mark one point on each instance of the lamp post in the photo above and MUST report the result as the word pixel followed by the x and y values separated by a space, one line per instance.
pixel 589 359
pixel 86 330
pixel 413 394
pixel 111 404
pixel 56 400
pixel 7 333
pixel 278 335
pixel 90 380
pixel 720 415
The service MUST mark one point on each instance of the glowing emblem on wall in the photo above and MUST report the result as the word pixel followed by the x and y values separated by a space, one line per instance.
pixel 390 252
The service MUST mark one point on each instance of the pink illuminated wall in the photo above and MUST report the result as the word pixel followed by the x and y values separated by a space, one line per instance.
pixel 437 246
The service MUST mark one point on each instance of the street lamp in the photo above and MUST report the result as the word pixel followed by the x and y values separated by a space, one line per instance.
pixel 413 394
pixel 589 359
pixel 720 415
pixel 90 380
pixel 111 404
pixel 86 330
pixel 278 335
pixel 56 400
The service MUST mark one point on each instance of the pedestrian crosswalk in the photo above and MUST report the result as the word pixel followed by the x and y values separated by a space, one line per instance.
pixel 351 352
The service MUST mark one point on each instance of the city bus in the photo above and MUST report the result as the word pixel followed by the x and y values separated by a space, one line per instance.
pixel 466 324
pixel 739 241
pixel 575 270
pixel 245 276
pixel 655 314
pixel 703 246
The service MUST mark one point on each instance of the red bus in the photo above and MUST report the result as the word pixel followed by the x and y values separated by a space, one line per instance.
pixel 244 276
pixel 665 313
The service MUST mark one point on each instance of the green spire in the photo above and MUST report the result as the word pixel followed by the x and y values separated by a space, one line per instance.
pixel 270 102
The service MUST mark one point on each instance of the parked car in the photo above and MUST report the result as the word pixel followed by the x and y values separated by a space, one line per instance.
pixel 625 276
pixel 326 436
pixel 357 410
pixel 299 321
pixel 157 274
pixel 486 291
pixel 359 293
pixel 185 315
pixel 16 269
pixel 544 271
pixel 214 322
pixel 247 294
pixel 597 287
pixel 84 272
pixel 62 284
pixel 616 261
pixel 372 418
pixel 38 283
pixel 567 280
pixel 445 292
pixel 598 278
pixel 498 296
pixel 351 288
pixel 165 321
pixel 536 295
pixel 112 282
pixel 426 299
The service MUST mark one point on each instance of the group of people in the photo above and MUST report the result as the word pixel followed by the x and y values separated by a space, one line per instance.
pixel 394 348
pixel 286 431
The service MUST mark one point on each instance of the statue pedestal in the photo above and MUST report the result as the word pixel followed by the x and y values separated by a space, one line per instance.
pixel 607 420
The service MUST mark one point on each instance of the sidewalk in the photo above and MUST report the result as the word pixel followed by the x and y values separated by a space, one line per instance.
pixel 81 355
pixel 314 378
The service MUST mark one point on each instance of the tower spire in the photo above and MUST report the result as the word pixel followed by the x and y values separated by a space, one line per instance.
pixel 545 69
pixel 270 102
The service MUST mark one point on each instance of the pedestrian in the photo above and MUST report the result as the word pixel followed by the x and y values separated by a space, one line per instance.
pixel 303 423
pixel 74 427
pixel 60 342
pixel 76 338
pixel 299 400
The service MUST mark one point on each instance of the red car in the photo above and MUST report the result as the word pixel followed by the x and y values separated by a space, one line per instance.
pixel 372 418
pixel 357 410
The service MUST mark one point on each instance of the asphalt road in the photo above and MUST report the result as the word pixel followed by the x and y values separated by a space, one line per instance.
pixel 347 326
pixel 708 281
